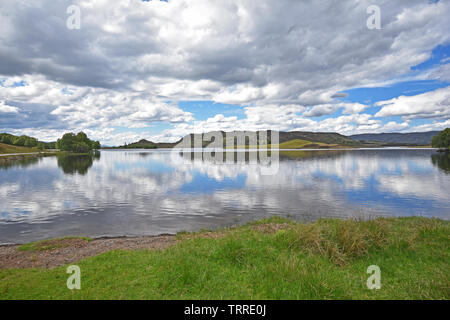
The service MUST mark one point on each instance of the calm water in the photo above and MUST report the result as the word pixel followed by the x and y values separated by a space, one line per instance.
pixel 152 192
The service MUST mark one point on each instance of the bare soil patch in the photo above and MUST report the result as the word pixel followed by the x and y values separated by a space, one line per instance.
pixel 59 252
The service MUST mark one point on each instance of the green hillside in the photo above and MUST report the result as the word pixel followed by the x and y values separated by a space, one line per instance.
pixel 145 144
pixel 304 144
pixel 412 138
pixel 322 137
pixel 7 148
pixel 141 144
pixel 25 141
pixel 287 140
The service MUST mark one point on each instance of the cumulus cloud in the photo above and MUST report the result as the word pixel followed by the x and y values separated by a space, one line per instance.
pixel 327 109
pixel 435 125
pixel 433 105
pixel 132 61
pixel 7 109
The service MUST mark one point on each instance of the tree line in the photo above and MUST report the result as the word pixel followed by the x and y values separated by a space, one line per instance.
pixel 68 142
pixel 25 141
pixel 442 140
pixel 77 143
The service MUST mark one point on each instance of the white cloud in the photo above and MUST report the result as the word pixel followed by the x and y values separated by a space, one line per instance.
pixel 441 72
pixel 434 105
pixel 327 109
pixel 132 61
pixel 4 108
pixel 350 108
pixel 435 125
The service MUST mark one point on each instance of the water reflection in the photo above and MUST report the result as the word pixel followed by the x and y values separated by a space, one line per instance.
pixel 21 162
pixel 135 192
pixel 69 164
pixel 442 161
pixel 77 164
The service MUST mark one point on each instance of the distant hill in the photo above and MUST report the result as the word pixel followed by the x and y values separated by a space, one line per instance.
pixel 294 139
pixel 146 144
pixel 323 137
pixel 413 138
pixel 304 139
pixel 304 144
pixel 141 144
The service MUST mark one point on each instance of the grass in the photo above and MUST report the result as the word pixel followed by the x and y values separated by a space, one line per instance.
pixel 269 259
pixel 50 244
pixel 7 148
pixel 299 144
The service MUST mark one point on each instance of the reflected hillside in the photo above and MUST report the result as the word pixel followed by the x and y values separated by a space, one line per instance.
pixel 293 154
pixel 226 156
pixel 442 161
pixel 77 164
pixel 255 156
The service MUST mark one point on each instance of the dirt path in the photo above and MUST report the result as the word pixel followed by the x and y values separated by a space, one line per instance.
pixel 64 251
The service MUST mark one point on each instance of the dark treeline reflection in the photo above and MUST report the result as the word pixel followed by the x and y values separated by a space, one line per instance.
pixel 20 162
pixel 70 164
pixel 144 154
pixel 77 164
pixel 442 161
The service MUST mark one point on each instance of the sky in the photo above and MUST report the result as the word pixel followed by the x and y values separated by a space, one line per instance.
pixel 125 70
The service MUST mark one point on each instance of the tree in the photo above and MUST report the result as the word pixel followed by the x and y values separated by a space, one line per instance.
pixel 66 142
pixel 442 140
pixel 6 138
pixel 50 145
pixel 41 146
pixel 31 142
pixel 23 141
pixel 77 143
pixel 19 141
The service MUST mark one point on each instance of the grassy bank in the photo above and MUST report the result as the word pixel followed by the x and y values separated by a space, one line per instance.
pixel 270 259
pixel 8 148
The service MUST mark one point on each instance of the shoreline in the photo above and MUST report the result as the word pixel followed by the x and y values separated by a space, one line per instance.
pixel 56 252
pixel 266 259
pixel 276 149
pixel 66 244
pixel 18 156
pixel 91 238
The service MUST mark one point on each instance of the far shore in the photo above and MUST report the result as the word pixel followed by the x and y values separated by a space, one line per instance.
pixel 283 149
pixel 19 156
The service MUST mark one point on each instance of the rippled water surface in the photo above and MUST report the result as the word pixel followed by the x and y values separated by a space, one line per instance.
pixel 152 192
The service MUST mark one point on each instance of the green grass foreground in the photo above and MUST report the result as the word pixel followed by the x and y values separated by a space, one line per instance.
pixel 269 259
